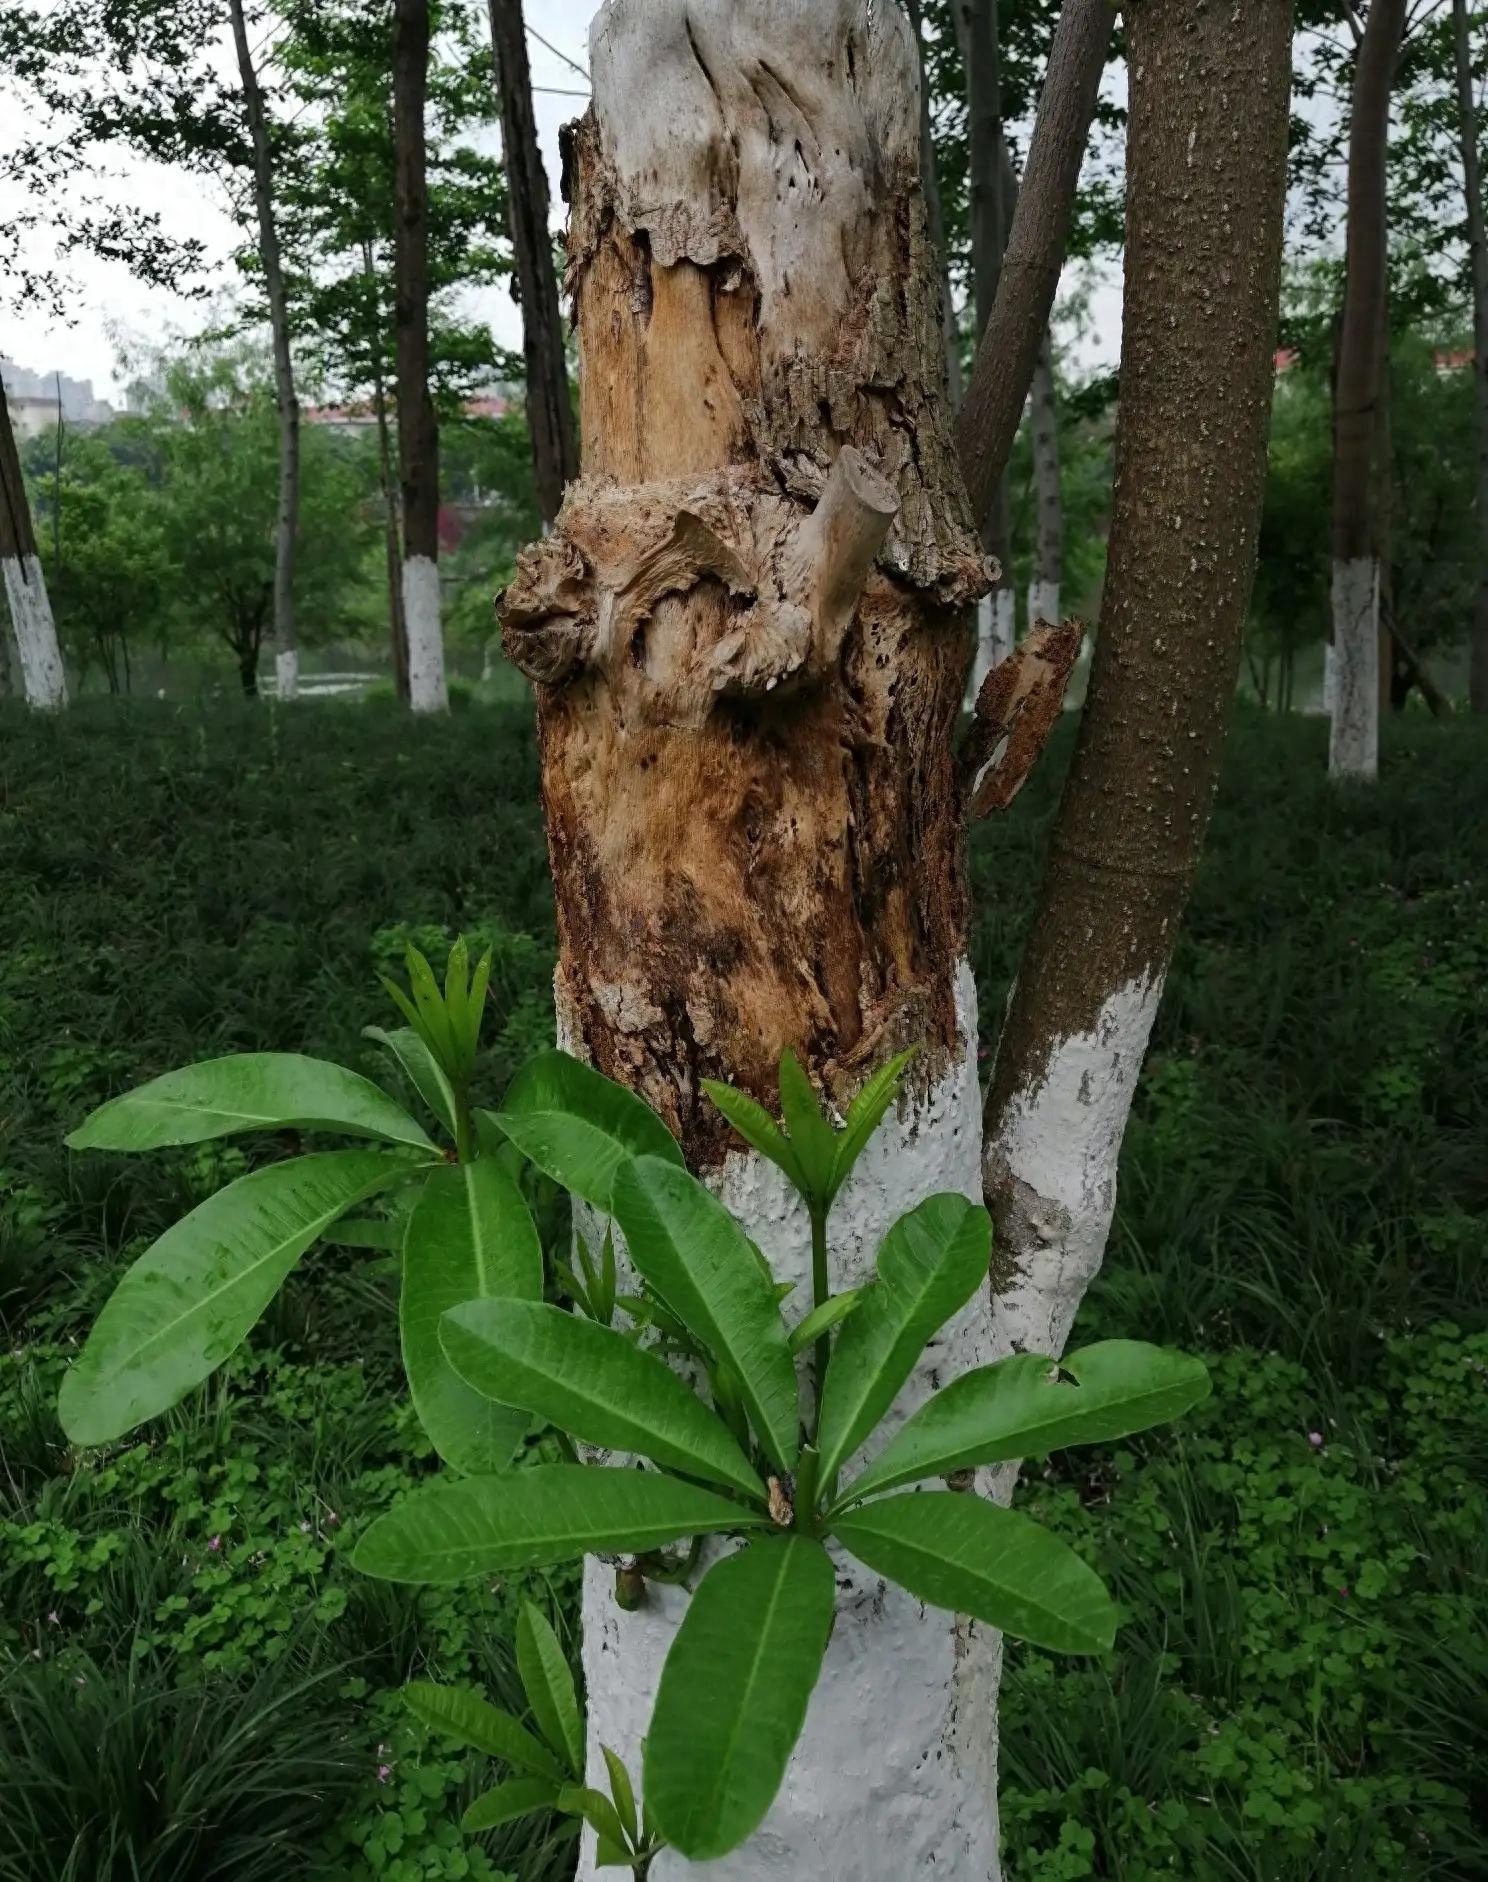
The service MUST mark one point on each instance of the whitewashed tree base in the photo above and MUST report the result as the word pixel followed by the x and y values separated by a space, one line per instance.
pixel 42 674
pixel 1043 603
pixel 1353 747
pixel 427 688
pixel 287 673
pixel 895 1773
pixel 997 634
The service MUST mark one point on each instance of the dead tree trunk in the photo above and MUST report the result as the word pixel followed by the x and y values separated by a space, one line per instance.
pixel 418 433
pixel 746 635
pixel 287 521
pixel 555 451
pixel 1477 232
pixel 1029 278
pixel 1206 179
pixel 1354 745
pixel 42 673
pixel 1048 497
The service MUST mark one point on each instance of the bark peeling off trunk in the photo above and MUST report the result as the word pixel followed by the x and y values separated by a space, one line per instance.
pixel 747 630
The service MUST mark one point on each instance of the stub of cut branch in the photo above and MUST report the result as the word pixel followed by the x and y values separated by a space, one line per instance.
pixel 1016 710
pixel 832 552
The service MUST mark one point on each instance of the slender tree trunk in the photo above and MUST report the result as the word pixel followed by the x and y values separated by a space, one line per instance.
pixel 1354 747
pixel 1048 533
pixel 1206 180
pixel 1029 276
pixel 1477 233
pixel 388 481
pixel 287 523
pixel 418 433
pixel 555 451
pixel 935 219
pixel 7 683
pixel 42 672
pixel 746 638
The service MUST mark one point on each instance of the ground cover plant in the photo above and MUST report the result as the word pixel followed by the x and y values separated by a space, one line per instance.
pixel 1300 1569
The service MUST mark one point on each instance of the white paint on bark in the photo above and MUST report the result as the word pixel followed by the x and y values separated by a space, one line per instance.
pixel 1043 603
pixel 1051 1167
pixel 894 1775
pixel 42 673
pixel 287 672
pixel 1353 748
pixel 997 635
pixel 427 689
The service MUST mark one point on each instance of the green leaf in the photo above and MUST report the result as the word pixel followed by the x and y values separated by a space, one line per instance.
pixel 623 1794
pixel 366 1231
pixel 579 1126
pixel 504 1803
pixel 1022 1407
pixel 612 1855
pixel 755 1125
pixel 596 1810
pixel 812 1138
pixel 698 1259
pixel 549 1687
pixel 482 1727
pixel 865 1114
pixel 470 1238
pixel 960 1552
pixel 734 1692
pixel 831 1313
pixel 253 1091
pixel 458 1528
pixel 193 1295
pixel 930 1265
pixel 431 1010
pixel 422 1070
pixel 592 1382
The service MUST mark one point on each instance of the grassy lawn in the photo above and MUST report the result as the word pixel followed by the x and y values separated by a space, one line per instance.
pixel 193 1685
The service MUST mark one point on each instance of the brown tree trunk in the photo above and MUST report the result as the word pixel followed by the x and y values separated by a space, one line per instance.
pixel 388 483
pixel 1477 233
pixel 1048 496
pixel 42 672
pixel 1354 745
pixel 746 638
pixel 418 433
pixel 287 522
pixel 1206 180
pixel 555 452
pixel 1029 276
pixel 935 219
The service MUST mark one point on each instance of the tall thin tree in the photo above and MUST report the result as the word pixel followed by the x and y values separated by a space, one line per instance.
pixel 418 430
pixel 1354 745
pixel 555 450
pixel 1477 235
pixel 287 522
pixel 42 674
pixel 1048 498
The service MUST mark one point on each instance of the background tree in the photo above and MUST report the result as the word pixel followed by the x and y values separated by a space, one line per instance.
pixel 42 672
pixel 1477 237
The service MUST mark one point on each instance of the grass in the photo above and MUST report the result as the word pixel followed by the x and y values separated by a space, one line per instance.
pixel 1303 1197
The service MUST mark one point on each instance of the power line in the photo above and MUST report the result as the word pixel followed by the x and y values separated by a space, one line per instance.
pixel 557 53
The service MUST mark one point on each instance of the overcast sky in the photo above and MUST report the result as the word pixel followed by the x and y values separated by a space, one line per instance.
pixel 107 300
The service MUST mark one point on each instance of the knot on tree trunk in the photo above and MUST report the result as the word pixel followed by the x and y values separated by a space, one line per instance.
pixel 769 592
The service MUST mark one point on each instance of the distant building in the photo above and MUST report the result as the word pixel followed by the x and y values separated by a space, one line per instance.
pixel 37 399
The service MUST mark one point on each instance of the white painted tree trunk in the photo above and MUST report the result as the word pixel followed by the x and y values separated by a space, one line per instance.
pixel 997 634
pixel 427 688
pixel 42 673
pixel 1353 749
pixel 287 672
pixel 895 1773
pixel 1043 603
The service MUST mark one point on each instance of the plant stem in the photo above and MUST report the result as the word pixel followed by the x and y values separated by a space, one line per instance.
pixel 823 1348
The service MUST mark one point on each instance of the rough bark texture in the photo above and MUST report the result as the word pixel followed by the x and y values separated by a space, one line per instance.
pixel 1477 233
pixel 287 521
pixel 747 631
pixel 1048 499
pixel 555 450
pixel 1206 173
pixel 418 432
pixel 42 674
pixel 1005 358
pixel 1354 745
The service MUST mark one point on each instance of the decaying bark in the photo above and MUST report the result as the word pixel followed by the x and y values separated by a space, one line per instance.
pixel 287 522
pixel 1017 706
pixel 1206 175
pixel 42 674
pixel 1029 277
pixel 1354 745
pixel 555 449
pixel 1477 233
pixel 747 630
pixel 418 430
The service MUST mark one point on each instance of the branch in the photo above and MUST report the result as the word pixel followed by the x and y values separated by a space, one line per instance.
pixel 1035 251
pixel 833 551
